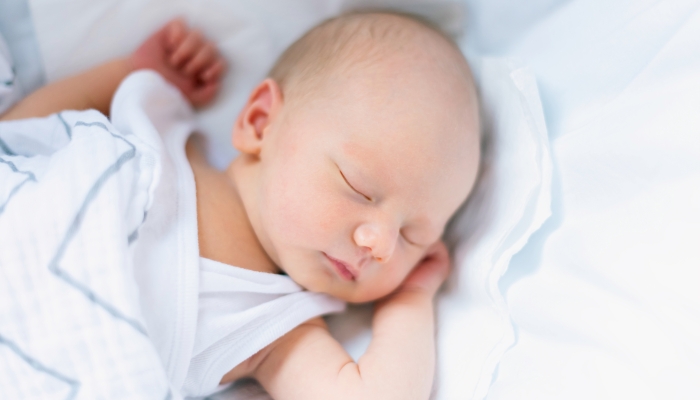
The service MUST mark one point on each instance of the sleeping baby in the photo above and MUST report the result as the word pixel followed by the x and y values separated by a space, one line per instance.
pixel 354 153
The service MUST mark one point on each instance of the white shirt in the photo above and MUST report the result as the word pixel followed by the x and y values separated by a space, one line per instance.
pixel 240 312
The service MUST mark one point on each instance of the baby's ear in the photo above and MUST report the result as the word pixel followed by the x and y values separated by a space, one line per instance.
pixel 262 106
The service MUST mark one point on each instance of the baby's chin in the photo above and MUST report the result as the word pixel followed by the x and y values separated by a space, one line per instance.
pixel 356 293
pixel 327 282
pixel 353 298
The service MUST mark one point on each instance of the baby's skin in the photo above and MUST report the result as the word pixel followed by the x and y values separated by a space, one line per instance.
pixel 346 189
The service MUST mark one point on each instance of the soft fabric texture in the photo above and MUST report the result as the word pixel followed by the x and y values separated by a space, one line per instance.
pixel 510 201
pixel 73 194
pixel 166 255
pixel 605 298
pixel 240 312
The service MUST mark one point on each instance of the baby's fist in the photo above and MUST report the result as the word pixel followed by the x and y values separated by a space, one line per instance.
pixel 430 272
pixel 185 58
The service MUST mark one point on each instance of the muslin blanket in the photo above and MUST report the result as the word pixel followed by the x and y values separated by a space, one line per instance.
pixel 73 193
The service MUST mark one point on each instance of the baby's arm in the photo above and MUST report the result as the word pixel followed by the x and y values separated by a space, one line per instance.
pixel 181 55
pixel 308 364
pixel 91 89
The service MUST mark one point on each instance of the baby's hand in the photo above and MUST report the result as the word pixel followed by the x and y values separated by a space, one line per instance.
pixel 185 58
pixel 430 272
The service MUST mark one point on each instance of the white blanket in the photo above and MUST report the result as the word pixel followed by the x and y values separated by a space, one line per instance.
pixel 605 298
pixel 73 193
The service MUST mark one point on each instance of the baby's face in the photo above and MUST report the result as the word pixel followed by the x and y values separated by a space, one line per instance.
pixel 358 181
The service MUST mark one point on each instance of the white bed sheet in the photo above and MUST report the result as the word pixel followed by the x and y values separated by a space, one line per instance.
pixel 605 298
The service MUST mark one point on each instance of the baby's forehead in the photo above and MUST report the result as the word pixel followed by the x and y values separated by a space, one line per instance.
pixel 416 155
pixel 400 114
pixel 430 165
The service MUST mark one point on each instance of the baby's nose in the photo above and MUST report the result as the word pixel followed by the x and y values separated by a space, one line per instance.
pixel 379 239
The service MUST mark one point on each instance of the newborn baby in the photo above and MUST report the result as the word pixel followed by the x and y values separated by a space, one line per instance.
pixel 354 154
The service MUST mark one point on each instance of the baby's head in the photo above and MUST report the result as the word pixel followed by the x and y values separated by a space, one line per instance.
pixel 356 151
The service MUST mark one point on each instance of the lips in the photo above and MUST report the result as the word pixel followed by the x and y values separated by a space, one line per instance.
pixel 342 268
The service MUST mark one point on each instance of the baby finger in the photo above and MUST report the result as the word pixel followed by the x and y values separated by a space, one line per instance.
pixel 187 49
pixel 213 72
pixel 204 57
pixel 175 32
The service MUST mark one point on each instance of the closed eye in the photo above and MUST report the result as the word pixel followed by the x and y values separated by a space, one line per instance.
pixel 353 188
pixel 409 241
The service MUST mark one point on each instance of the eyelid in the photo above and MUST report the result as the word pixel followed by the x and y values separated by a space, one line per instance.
pixel 409 241
pixel 352 187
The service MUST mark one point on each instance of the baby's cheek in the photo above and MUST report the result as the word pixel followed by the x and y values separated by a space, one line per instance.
pixel 304 211
pixel 405 266
pixel 389 277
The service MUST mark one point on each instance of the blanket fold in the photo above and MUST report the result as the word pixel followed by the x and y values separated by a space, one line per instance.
pixel 73 193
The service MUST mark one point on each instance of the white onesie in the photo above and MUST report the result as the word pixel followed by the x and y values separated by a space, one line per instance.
pixel 204 317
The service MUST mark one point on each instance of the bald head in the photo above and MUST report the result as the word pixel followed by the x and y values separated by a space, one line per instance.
pixel 354 42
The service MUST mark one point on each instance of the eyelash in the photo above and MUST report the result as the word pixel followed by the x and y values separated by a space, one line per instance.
pixel 351 187
pixel 408 241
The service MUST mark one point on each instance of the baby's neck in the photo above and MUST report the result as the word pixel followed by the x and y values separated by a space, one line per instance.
pixel 224 230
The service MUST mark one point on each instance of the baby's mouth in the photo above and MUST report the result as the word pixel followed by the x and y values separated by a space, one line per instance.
pixel 342 268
